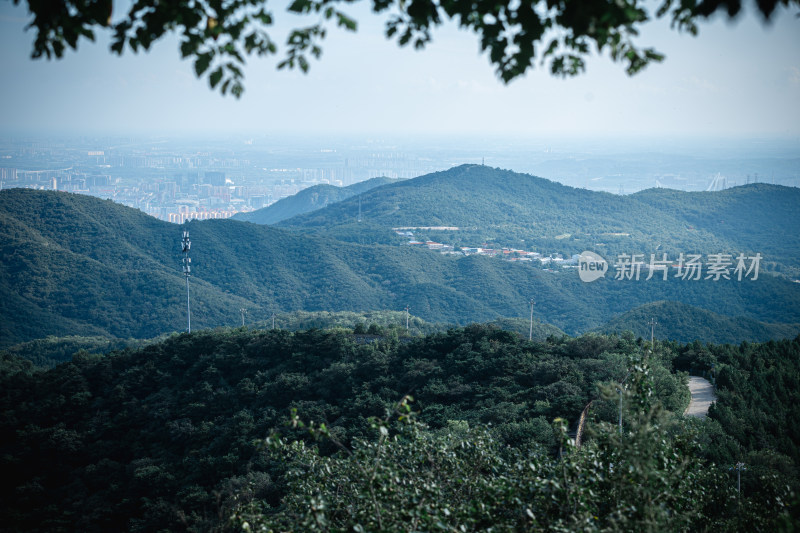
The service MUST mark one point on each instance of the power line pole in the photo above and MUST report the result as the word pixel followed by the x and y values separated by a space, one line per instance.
pixel 186 245
pixel 652 324
pixel 530 333
pixel 273 320
pixel 244 312
pixel 407 318
pixel 739 468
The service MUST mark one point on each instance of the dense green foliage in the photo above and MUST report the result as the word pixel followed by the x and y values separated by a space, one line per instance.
pixel 370 326
pixel 649 478
pixel 50 351
pixel 309 199
pixel 170 436
pixel 758 386
pixel 384 320
pixel 139 439
pixel 686 323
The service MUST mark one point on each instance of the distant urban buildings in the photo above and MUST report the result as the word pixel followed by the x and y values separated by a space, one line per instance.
pixel 180 183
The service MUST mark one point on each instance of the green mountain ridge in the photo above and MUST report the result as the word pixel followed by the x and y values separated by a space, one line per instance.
pixel 687 323
pixel 375 326
pixel 310 199
pixel 77 265
pixel 506 208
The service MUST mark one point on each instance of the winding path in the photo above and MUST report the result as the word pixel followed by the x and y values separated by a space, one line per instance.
pixel 702 397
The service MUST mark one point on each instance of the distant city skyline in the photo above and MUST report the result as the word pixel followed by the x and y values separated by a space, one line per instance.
pixel 736 80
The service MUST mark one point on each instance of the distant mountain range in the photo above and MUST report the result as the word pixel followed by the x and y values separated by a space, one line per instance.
pixel 77 265
pixel 309 199
pixel 504 208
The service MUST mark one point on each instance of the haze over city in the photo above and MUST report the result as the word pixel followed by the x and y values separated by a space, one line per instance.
pixel 723 109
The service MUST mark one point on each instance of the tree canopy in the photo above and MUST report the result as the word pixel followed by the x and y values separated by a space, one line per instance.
pixel 190 433
pixel 217 35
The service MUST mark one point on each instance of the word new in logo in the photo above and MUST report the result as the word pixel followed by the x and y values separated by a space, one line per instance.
pixel 591 266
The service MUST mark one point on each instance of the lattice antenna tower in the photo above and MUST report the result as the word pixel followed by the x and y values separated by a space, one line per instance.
pixel 186 245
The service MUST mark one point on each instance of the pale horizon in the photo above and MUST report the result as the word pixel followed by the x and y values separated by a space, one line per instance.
pixel 735 81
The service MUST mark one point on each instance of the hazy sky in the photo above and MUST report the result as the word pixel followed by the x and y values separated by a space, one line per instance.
pixel 740 79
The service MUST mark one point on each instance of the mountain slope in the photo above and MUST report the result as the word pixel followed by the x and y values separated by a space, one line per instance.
pixel 760 217
pixel 505 208
pixel 76 265
pixel 686 323
pixel 309 199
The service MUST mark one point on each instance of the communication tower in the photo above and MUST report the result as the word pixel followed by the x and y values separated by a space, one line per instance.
pixel 186 245
pixel 530 333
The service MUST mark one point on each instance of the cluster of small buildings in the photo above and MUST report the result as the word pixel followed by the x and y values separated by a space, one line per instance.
pixel 507 254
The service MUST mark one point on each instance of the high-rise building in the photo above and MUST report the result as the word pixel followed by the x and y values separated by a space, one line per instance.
pixel 215 178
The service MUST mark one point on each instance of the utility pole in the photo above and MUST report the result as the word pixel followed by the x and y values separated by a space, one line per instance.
pixel 530 333
pixel 652 324
pixel 244 312
pixel 620 410
pixel 739 467
pixel 407 318
pixel 186 245
pixel 273 320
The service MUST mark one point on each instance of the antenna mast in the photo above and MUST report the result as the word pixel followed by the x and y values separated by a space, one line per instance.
pixel 186 244
pixel 530 333
pixel 652 325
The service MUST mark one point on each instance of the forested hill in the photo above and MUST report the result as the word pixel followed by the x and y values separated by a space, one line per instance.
pixel 756 217
pixel 142 437
pixel 506 208
pixel 309 199
pixel 687 323
pixel 77 265
pixel 170 437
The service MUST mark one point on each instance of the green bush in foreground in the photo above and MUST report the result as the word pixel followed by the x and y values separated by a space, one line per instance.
pixel 646 478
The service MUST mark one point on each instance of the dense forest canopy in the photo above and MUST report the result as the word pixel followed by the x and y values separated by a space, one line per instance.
pixel 172 435
pixel 686 323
